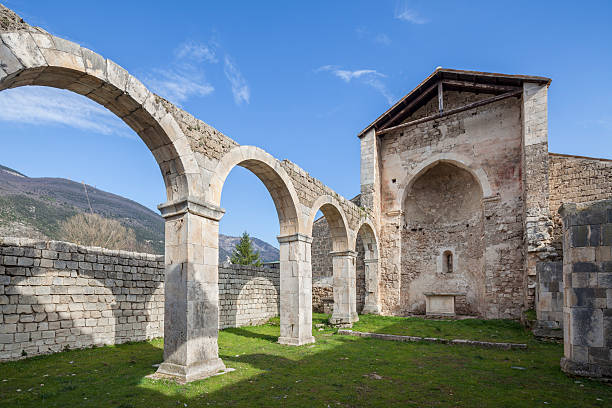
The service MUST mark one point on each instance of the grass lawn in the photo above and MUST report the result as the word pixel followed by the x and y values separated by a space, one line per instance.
pixel 337 371
pixel 468 329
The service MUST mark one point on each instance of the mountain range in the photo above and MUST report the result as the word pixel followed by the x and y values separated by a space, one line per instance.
pixel 35 207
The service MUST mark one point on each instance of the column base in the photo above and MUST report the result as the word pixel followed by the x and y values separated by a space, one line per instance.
pixel 184 374
pixel 343 320
pixel 371 309
pixel 603 372
pixel 292 341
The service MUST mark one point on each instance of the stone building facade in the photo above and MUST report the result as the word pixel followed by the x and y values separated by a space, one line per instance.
pixel 459 171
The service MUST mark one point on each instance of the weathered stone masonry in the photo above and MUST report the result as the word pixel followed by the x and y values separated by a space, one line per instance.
pixel 587 277
pixel 194 160
pixel 56 295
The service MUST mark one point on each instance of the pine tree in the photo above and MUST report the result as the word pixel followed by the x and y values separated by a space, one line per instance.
pixel 244 254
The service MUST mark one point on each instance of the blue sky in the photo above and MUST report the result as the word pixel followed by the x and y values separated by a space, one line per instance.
pixel 299 80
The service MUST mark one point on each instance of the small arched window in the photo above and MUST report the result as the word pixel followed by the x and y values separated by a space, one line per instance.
pixel 447 262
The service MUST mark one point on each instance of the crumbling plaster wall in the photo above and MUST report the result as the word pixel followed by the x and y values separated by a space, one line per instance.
pixel 487 141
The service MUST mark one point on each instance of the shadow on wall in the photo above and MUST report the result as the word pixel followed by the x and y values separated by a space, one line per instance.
pixel 248 295
pixel 59 295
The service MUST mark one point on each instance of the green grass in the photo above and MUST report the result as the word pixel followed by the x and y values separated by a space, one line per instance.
pixel 337 371
pixel 468 329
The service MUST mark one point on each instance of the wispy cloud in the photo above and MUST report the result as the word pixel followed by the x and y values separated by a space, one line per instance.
pixel 380 38
pixel 179 83
pixel 184 76
pixel 240 88
pixel 49 106
pixel 404 13
pixel 369 77
pixel 197 51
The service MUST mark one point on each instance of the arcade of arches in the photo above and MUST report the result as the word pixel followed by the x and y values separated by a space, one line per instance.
pixel 454 198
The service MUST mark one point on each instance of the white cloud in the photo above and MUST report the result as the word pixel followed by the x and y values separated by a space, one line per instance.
pixel 382 39
pixel 180 83
pixel 240 88
pixel 402 12
pixel 369 77
pixel 196 51
pixel 49 106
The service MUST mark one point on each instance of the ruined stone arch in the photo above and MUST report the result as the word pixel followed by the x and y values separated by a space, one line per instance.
pixel 443 213
pixel 451 158
pixel 271 174
pixel 367 280
pixel 36 58
pixel 367 232
pixel 341 236
pixel 343 259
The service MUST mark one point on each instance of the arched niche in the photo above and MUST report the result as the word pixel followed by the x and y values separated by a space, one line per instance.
pixel 442 238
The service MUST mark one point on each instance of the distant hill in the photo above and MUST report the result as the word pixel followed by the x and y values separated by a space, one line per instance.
pixel 35 207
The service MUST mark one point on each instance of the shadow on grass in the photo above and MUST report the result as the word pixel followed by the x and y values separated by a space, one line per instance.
pixel 337 371
pixel 250 334
pixel 467 329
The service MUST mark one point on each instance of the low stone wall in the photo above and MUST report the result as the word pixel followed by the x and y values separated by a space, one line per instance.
pixel 549 299
pixel 248 295
pixel 323 297
pixel 56 295
pixel 587 278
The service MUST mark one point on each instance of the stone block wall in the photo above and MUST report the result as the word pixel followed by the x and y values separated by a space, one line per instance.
pixel 248 295
pixel 587 278
pixel 549 299
pixel 323 297
pixel 575 179
pixel 57 295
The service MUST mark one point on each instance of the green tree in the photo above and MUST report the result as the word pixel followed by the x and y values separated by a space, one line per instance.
pixel 244 254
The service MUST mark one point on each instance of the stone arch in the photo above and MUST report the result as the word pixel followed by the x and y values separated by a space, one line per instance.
pixel 295 276
pixel 443 210
pixel 343 260
pixel 336 219
pixel 452 158
pixel 271 174
pixel 37 58
pixel 367 272
pixel 367 232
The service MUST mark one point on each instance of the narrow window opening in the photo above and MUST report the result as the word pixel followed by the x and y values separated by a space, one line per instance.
pixel 447 259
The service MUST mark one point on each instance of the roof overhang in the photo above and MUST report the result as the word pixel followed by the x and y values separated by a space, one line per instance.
pixel 451 79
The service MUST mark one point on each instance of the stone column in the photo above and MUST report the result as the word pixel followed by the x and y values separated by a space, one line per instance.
pixel 587 282
pixel 345 288
pixel 371 305
pixel 296 290
pixel 191 316
pixel 537 220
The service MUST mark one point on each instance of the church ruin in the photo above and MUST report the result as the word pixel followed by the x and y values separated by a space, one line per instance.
pixel 459 199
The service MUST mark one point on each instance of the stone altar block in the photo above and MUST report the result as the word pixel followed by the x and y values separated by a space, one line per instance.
pixel 440 304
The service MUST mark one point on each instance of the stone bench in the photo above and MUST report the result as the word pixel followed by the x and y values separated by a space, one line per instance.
pixel 440 304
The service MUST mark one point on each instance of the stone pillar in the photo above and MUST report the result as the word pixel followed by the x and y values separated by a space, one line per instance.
pixel 296 290
pixel 371 305
pixel 537 220
pixel 191 316
pixel 587 281
pixel 345 288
